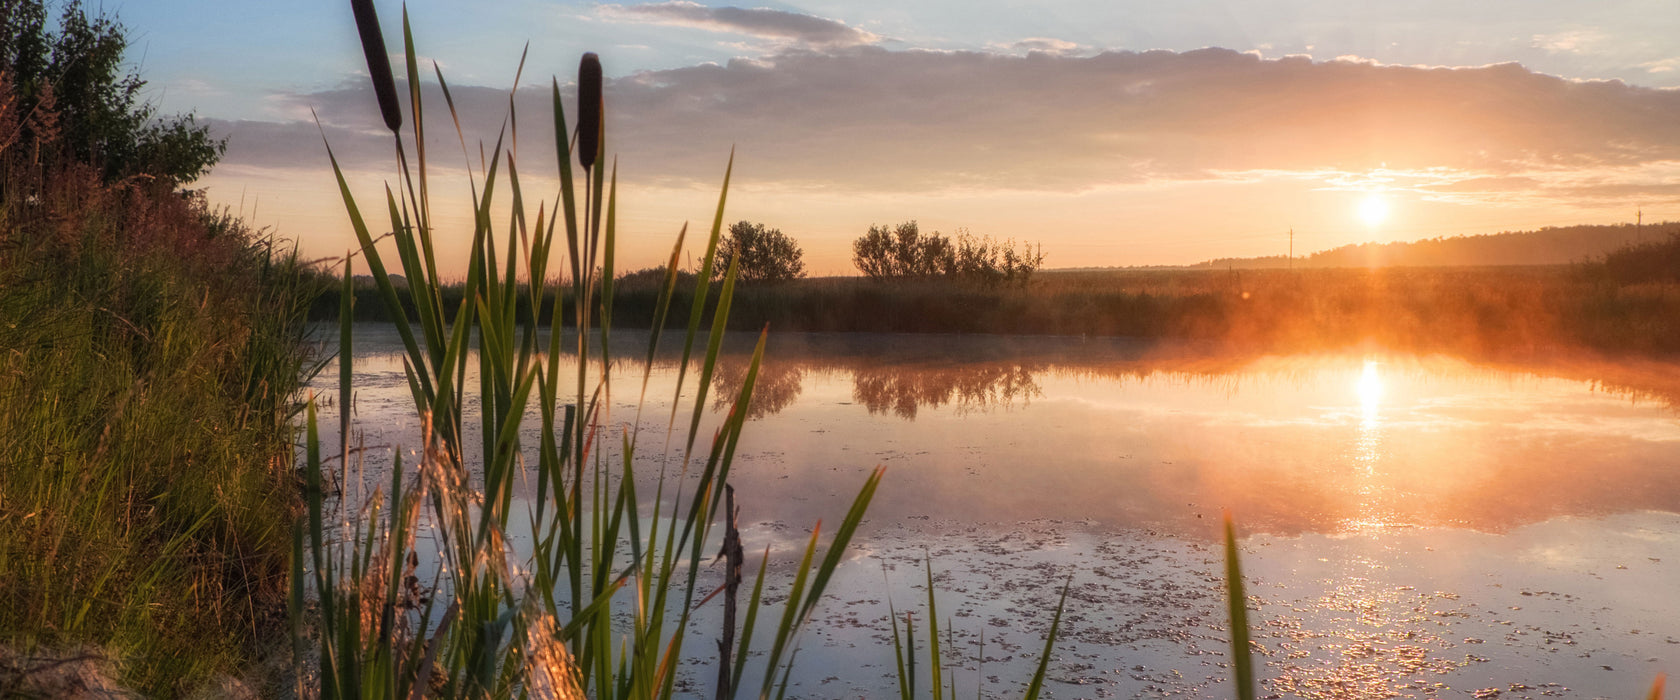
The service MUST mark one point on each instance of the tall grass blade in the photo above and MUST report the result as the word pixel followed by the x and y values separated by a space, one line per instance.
pixel 935 661
pixel 1242 660
pixel 702 288
pixel 1037 684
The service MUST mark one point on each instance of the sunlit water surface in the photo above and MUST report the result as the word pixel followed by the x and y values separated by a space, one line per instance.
pixel 1414 526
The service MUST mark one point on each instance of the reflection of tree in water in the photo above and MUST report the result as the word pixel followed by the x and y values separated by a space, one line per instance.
pixel 776 387
pixel 902 390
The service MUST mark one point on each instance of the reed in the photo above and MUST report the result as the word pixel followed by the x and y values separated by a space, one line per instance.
pixel 600 603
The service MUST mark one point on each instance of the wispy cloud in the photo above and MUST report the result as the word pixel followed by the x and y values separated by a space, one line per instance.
pixel 1667 65
pixel 800 29
pixel 1574 41
pixel 1047 45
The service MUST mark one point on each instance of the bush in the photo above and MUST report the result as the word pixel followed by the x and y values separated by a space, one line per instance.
pixel 903 252
pixel 67 94
pixel 1656 261
pixel 767 254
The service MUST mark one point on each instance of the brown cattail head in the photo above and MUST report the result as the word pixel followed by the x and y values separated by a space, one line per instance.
pixel 589 109
pixel 379 62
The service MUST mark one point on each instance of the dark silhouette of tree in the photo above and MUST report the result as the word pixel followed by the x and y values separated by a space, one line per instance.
pixel 905 252
pixel 902 251
pixel 766 254
pixel 67 93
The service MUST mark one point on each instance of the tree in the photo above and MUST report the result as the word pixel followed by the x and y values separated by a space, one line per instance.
pixel 70 93
pixel 904 252
pixel 766 254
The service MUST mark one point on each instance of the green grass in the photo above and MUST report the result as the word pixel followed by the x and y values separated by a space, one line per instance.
pixel 149 351
pixel 600 602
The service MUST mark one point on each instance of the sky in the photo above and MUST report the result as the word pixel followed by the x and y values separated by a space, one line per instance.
pixel 1109 132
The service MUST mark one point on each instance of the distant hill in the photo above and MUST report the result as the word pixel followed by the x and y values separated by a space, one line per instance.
pixel 1553 245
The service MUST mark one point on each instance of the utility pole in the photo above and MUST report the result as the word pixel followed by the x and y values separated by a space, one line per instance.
pixel 1639 225
pixel 1291 247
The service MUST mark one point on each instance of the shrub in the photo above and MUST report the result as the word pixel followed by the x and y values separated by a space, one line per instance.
pixel 767 254
pixel 903 252
pixel 1656 261
pixel 68 94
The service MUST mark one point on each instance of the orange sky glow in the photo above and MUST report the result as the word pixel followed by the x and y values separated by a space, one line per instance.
pixel 1106 156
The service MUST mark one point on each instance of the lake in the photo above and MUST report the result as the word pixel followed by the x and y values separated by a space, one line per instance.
pixel 1411 526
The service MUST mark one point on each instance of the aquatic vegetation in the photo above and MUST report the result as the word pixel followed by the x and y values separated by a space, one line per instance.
pixel 601 604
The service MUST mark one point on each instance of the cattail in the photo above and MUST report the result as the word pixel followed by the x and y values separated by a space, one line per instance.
pixel 379 62
pixel 589 109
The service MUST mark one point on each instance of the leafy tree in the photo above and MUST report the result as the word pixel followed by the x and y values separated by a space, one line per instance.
pixel 905 252
pixel 766 254
pixel 69 93
pixel 902 251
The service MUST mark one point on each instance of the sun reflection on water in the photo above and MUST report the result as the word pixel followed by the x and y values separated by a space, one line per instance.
pixel 1370 389
pixel 1368 453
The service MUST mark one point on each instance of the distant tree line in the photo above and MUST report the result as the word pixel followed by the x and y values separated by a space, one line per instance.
pixel 904 252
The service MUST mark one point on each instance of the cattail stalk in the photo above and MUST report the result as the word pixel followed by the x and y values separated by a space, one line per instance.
pixel 379 62
pixel 589 109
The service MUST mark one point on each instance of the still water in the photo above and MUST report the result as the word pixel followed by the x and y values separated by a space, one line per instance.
pixel 1412 526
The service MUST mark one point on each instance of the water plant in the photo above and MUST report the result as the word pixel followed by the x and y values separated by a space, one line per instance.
pixel 601 603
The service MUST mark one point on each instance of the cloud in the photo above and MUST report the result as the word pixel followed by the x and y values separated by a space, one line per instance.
pixel 1574 41
pixel 866 119
pixel 801 29
pixel 1047 45
pixel 1667 65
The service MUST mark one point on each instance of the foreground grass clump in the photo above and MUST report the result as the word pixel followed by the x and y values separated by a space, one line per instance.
pixel 149 350
pixel 598 600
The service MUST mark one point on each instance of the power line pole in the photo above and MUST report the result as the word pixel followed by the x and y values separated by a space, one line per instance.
pixel 1639 225
pixel 1291 247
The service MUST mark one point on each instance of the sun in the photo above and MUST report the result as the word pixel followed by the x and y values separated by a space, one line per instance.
pixel 1373 210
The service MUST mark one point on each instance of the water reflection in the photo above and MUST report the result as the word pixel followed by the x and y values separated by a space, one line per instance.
pixel 1005 430
pixel 902 391
pixel 777 385
pixel 1368 452
pixel 1374 490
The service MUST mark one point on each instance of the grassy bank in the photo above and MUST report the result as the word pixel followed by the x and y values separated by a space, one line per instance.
pixel 149 351
pixel 1622 306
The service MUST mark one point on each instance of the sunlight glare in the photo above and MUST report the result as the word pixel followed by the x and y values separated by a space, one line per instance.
pixel 1373 210
pixel 1370 389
